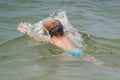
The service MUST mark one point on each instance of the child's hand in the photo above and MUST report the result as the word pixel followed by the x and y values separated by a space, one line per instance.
pixel 23 27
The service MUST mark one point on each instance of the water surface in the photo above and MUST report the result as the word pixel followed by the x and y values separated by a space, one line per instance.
pixel 97 21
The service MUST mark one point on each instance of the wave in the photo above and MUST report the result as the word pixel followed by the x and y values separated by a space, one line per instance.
pixel 91 44
pixel 97 44
pixel 109 41
pixel 13 41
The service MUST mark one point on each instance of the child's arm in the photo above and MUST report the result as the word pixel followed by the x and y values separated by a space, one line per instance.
pixel 32 35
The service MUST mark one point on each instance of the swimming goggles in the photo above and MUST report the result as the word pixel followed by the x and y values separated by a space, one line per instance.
pixel 51 31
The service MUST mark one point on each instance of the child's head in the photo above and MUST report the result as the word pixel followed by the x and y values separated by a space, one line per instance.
pixel 54 27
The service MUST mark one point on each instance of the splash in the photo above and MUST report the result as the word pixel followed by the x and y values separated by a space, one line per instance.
pixel 69 30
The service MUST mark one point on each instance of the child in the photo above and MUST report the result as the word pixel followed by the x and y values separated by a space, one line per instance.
pixel 58 37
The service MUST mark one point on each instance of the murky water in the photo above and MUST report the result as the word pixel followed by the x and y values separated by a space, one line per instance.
pixel 23 59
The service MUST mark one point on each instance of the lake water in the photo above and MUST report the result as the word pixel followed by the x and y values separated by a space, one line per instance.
pixel 23 59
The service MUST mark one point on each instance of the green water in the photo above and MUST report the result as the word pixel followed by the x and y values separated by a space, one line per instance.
pixel 23 59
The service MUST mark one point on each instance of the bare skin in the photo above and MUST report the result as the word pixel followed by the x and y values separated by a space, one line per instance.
pixel 63 42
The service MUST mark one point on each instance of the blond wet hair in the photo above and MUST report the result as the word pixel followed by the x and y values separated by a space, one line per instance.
pixel 54 27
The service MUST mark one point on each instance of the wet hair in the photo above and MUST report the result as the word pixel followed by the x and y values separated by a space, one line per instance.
pixel 54 27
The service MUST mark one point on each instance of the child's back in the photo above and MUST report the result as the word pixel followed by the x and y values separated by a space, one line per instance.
pixel 63 42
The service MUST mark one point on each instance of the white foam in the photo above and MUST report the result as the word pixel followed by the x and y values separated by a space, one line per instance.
pixel 69 30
